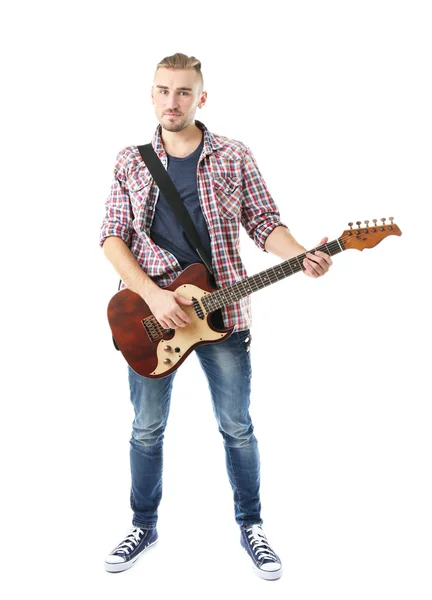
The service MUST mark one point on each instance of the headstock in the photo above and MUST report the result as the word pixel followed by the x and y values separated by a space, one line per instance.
pixel 368 237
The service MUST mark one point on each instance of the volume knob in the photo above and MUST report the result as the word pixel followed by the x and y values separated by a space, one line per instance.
pixel 167 361
pixel 167 348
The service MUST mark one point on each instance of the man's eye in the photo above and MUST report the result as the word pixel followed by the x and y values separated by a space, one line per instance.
pixel 166 91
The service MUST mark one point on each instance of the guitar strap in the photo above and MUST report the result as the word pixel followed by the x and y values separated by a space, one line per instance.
pixel 169 190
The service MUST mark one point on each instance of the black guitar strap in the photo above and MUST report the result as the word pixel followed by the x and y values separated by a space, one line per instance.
pixel 169 190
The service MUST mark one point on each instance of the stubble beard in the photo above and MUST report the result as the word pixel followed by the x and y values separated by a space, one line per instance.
pixel 172 125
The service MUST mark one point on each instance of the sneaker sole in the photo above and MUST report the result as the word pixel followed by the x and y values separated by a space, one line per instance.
pixel 269 575
pixel 118 567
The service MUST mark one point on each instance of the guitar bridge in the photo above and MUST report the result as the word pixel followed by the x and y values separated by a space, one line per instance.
pixel 152 327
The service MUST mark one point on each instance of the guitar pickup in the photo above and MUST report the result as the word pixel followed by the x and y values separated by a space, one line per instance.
pixel 197 307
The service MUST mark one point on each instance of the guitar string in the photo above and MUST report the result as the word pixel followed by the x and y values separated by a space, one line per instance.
pixel 273 278
pixel 350 234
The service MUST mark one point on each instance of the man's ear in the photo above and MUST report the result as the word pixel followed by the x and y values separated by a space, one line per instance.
pixel 202 100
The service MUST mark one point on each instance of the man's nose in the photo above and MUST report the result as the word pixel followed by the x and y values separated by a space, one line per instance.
pixel 171 102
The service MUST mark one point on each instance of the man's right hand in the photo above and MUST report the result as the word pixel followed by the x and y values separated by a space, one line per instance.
pixel 165 308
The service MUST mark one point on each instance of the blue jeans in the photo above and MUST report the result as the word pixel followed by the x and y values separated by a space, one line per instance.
pixel 227 367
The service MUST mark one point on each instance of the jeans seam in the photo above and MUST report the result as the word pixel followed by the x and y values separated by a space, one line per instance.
pixel 234 475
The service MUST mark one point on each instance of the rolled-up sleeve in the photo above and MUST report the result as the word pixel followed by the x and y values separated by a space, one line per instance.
pixel 118 213
pixel 260 214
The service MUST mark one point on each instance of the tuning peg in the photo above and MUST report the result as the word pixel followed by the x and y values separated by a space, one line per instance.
pixel 383 221
pixel 367 223
pixel 391 220
pixel 358 223
pixel 351 224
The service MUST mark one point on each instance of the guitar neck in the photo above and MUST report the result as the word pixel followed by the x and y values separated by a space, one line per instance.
pixel 246 287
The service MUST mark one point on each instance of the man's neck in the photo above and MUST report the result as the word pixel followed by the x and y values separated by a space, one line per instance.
pixel 181 143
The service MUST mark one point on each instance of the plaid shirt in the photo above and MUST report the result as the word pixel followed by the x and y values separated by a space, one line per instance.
pixel 231 191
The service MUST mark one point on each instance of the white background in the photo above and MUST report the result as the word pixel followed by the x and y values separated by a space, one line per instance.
pixel 334 100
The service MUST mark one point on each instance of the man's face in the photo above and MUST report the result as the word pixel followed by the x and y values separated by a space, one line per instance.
pixel 176 94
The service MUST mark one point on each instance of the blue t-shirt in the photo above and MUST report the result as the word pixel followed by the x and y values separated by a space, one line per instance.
pixel 165 230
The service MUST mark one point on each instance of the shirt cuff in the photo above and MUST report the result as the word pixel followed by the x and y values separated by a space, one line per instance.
pixel 262 232
pixel 114 229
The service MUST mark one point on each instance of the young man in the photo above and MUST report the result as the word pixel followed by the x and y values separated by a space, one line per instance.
pixel 221 186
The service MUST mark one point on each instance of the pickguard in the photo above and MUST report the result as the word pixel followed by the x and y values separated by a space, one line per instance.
pixel 186 337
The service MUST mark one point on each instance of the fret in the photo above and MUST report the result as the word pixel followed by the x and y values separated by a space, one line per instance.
pixel 254 280
pixel 265 279
pixel 289 264
pixel 285 267
pixel 273 272
pixel 302 256
pixel 279 272
pixel 295 265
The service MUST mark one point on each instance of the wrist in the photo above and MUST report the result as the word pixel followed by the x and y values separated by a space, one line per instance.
pixel 147 288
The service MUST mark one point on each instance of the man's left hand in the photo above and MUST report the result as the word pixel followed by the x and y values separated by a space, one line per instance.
pixel 317 263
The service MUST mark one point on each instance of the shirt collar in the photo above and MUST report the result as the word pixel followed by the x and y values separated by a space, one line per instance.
pixel 210 142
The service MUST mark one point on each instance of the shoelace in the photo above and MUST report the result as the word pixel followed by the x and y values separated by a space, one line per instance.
pixel 259 543
pixel 130 542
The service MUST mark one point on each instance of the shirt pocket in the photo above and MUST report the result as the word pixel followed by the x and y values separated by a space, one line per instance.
pixel 139 186
pixel 139 180
pixel 228 193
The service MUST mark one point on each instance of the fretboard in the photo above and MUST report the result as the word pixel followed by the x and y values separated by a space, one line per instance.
pixel 247 286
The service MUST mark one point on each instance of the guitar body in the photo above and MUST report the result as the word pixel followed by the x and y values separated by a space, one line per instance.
pixel 149 349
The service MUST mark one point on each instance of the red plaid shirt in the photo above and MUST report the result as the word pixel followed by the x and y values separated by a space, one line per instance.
pixel 231 192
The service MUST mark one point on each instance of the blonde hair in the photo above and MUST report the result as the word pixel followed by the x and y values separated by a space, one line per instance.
pixel 181 61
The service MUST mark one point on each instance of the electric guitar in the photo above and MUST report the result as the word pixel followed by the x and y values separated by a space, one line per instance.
pixel 153 351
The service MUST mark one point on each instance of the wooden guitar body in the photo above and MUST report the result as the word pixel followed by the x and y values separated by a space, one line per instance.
pixel 149 349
